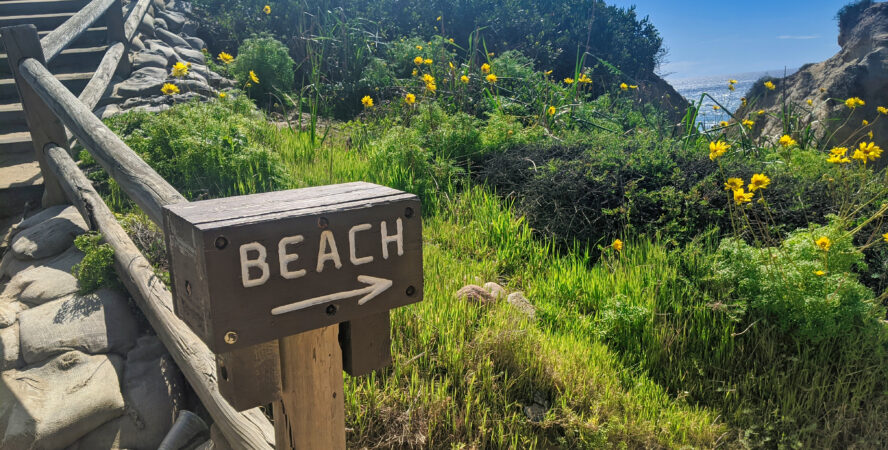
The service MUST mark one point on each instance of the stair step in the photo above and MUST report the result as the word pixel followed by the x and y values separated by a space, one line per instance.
pixel 75 82
pixel 91 37
pixel 20 183
pixel 12 118
pixel 41 21
pixel 18 142
pixel 69 60
pixel 20 7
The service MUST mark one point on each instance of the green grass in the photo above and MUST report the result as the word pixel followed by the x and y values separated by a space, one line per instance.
pixel 658 346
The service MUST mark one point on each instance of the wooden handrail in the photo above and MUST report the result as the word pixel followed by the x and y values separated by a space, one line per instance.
pixel 134 18
pixel 137 179
pixel 97 85
pixel 60 38
pixel 247 430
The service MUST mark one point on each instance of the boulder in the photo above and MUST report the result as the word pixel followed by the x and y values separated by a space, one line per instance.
pixel 49 237
pixel 195 43
pixel 498 292
pixel 100 322
pixel 39 285
pixel 475 294
pixel 162 48
pixel 153 392
pixel 52 404
pixel 189 55
pixel 10 356
pixel 521 303
pixel 149 58
pixel 174 20
pixel 169 38
pixel 146 81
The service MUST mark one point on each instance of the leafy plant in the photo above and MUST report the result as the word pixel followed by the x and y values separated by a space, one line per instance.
pixel 97 267
pixel 269 60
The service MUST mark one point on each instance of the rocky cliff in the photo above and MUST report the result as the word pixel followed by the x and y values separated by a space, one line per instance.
pixel 859 69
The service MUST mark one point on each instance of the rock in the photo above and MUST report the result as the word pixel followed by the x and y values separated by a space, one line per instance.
pixel 520 302
pixel 159 5
pixel 498 292
pixel 474 293
pixel 195 43
pixel 859 69
pixel 153 390
pixel 536 411
pixel 162 48
pixel 169 38
pixel 100 322
pixel 142 82
pixel 49 237
pixel 146 27
pixel 136 44
pixel 159 24
pixel 108 111
pixel 189 55
pixel 40 284
pixel 9 313
pixel 10 357
pixel 149 58
pixel 174 20
pixel 52 404
pixel 41 216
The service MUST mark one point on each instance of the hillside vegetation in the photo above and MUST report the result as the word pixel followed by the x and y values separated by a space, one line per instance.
pixel 690 287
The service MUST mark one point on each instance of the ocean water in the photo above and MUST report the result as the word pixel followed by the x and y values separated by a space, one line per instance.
pixel 717 87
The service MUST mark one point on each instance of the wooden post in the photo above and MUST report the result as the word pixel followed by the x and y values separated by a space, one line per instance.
pixel 117 33
pixel 311 412
pixel 21 43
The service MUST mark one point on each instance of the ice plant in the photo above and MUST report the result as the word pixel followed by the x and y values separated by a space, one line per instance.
pixel 266 9
pixel 179 70
pixel 854 102
pixel 226 58
pixel 409 99
pixel 253 77
pixel 786 141
pixel 824 243
pixel 491 78
pixel 741 197
pixel 367 101
pixel 759 181
pixel 169 89
pixel 717 149
pixel 617 245
pixel 770 85
pixel 733 184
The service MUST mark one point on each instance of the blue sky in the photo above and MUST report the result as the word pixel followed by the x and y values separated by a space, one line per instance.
pixel 728 37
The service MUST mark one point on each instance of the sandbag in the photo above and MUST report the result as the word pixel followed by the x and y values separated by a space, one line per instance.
pixel 10 357
pixel 38 285
pixel 52 404
pixel 100 322
pixel 49 237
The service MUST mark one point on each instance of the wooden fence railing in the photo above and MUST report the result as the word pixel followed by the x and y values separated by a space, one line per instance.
pixel 49 108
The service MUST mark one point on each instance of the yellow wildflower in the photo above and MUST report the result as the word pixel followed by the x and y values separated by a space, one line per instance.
pixel 748 123
pixel 450 40
pixel 743 101
pixel 367 101
pixel 551 110
pixel 624 87
pixel 548 72
pixel 584 79
pixel 427 78
pixel 464 79
pixel 809 102
pixel 854 102
pixel 266 9
pixel 824 243
pixel 169 89
pixel 427 61
pixel 222 95
pixel 451 65
pixel 490 55
pixel 419 47
pixel 432 87
pixel 254 77
pixel 723 123
pixel 717 149
pixel 485 68
pixel 731 87
pixel 759 181
pixel 631 86
pixel 409 99
pixel 870 134
pixel 568 80
pixel 770 85
pixel 885 237
pixel 819 273
pixel 882 110
pixel 418 60
pixel 438 19
pixel 225 58
pixel 867 152
pixel 415 72
pixel 733 184
pixel 864 122
pixel 179 70
pixel 491 78
pixel 617 245
pixel 741 197
pixel 761 112
pixel 786 141
pixel 716 107
pixel 837 155
pixel 733 81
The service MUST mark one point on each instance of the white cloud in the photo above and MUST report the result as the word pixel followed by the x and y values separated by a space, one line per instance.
pixel 799 37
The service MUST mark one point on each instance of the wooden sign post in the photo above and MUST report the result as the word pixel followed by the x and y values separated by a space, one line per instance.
pixel 289 287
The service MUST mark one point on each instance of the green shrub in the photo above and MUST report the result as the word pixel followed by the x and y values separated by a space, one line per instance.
pixel 96 269
pixel 270 60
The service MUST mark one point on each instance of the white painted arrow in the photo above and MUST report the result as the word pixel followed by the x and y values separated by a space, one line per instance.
pixel 376 287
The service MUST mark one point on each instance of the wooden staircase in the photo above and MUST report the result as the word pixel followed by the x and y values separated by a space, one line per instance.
pixel 20 180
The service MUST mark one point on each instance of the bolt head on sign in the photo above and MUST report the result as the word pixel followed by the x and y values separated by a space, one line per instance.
pixel 256 268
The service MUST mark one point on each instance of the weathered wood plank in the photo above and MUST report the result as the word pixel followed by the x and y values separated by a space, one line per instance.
pixel 251 376
pixel 134 18
pixel 311 412
pixel 60 38
pixel 248 430
pixel 140 182
pixel 22 43
pixel 97 85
